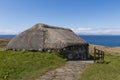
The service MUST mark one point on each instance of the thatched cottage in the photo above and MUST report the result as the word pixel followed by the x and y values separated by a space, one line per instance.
pixel 42 37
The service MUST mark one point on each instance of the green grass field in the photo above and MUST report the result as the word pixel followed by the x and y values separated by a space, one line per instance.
pixel 21 65
pixel 109 70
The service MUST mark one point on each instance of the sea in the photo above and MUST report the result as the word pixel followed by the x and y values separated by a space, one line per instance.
pixel 105 40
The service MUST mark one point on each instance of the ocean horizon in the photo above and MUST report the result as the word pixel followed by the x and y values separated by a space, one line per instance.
pixel 105 40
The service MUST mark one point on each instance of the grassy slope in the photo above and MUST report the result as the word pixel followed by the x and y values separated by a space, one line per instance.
pixel 27 65
pixel 110 50
pixel 19 65
pixel 106 71
pixel 4 41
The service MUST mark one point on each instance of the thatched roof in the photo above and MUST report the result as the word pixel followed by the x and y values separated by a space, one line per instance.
pixel 42 36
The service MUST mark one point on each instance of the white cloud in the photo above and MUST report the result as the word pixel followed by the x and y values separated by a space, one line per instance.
pixel 90 31
pixel 97 31
pixel 8 31
pixel 84 29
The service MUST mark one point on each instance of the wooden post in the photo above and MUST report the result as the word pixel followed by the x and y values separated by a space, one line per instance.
pixel 98 54
pixel 94 54
pixel 103 54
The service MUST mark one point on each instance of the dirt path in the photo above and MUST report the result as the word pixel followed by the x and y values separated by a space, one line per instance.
pixel 70 71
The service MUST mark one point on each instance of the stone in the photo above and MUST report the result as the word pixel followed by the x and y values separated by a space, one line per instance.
pixel 59 70
pixel 70 71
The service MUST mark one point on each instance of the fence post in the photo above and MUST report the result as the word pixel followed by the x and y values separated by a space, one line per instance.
pixel 99 54
pixel 103 56
pixel 94 54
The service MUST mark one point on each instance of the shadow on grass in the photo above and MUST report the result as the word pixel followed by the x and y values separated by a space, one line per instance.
pixel 103 62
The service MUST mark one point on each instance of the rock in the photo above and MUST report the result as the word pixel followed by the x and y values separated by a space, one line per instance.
pixel 59 70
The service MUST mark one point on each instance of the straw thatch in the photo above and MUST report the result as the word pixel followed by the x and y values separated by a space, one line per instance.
pixel 42 37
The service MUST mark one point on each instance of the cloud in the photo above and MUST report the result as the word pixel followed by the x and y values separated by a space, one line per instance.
pixel 96 31
pixel 87 31
pixel 8 31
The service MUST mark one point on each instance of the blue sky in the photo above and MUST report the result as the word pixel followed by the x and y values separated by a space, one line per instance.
pixel 82 16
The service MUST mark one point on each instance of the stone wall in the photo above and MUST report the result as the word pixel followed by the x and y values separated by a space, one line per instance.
pixel 76 52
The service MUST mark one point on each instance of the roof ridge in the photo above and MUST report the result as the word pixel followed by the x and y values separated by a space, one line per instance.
pixel 42 25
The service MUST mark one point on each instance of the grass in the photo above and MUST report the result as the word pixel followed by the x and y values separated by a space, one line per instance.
pixel 22 65
pixel 109 70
